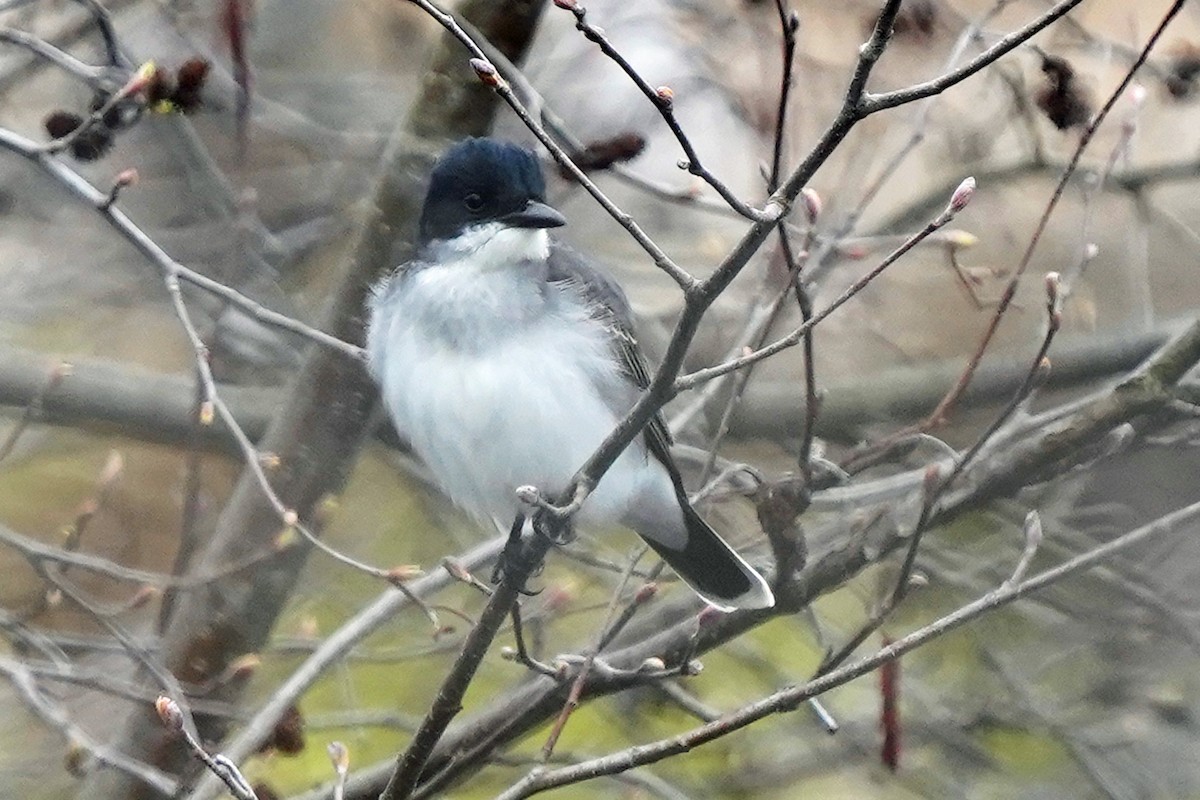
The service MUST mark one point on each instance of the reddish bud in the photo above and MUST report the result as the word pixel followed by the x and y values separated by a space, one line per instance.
pixel 812 204
pixel 666 96
pixel 140 80
pixel 126 177
pixel 169 712
pixel 558 597
pixel 404 572
pixel 962 195
pixel 486 72
pixel 645 593
pixel 456 570
pixel 143 596
pixel 932 479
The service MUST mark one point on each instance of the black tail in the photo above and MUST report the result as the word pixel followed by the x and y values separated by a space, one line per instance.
pixel 714 569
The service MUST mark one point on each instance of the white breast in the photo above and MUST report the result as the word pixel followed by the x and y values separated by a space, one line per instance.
pixel 500 390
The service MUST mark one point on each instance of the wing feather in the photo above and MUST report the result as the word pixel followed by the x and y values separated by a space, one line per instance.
pixel 610 306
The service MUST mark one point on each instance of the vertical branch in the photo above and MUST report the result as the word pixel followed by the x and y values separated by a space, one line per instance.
pixel 789 23
pixel 447 704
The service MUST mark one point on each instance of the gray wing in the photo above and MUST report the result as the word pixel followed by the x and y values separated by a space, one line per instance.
pixel 611 307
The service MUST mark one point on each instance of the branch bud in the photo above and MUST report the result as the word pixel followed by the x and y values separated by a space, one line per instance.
pixel 1044 366
pixel 962 195
pixel 242 667
pixel 666 96
pixel 645 593
pixel 529 495
pixel 139 80
pixel 1033 529
pixel 456 570
pixel 932 480
pixel 1054 299
pixel 404 572
pixel 958 238
pixel 169 712
pixel 486 72
pixel 812 204
pixel 143 596
pixel 339 754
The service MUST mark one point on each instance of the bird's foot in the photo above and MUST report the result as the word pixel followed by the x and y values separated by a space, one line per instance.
pixel 512 556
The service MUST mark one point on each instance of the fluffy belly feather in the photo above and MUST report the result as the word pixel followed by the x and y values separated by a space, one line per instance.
pixel 515 413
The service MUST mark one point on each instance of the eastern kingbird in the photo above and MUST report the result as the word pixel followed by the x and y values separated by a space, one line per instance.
pixel 505 358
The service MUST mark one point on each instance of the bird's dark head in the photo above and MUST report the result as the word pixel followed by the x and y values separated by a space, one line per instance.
pixel 484 180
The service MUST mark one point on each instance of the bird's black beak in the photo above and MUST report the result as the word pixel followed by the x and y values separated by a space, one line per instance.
pixel 535 215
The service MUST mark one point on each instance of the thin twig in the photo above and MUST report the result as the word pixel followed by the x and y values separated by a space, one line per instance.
pixel 796 336
pixel 663 100
pixel 940 413
pixel 335 647
pixel 787 699
pixel 56 717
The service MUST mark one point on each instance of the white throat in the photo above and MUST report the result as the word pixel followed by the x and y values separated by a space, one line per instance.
pixel 496 246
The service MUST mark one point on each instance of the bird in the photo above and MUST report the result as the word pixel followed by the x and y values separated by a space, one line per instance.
pixel 504 358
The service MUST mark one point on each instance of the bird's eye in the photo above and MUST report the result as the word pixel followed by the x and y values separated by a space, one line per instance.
pixel 473 202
